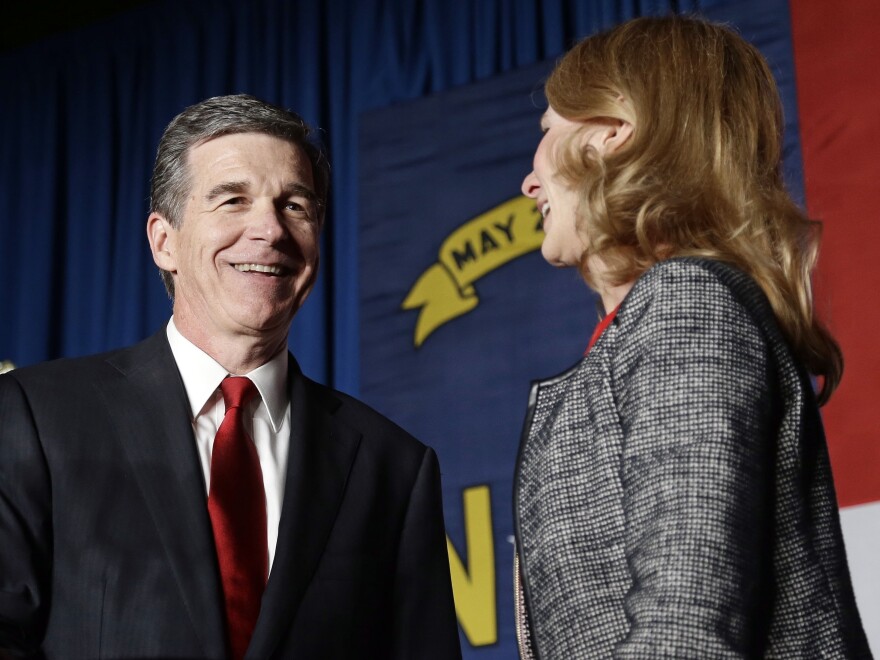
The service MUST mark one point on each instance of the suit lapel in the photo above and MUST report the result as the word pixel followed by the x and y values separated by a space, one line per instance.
pixel 150 409
pixel 321 453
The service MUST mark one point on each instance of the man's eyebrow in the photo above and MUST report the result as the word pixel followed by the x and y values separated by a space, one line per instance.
pixel 226 188
pixel 300 190
pixel 237 187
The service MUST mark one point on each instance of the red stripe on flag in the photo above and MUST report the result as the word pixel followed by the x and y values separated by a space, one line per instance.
pixel 837 64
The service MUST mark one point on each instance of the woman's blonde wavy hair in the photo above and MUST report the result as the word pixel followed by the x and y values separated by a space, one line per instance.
pixel 700 175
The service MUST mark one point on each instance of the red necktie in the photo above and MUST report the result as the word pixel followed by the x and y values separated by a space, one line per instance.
pixel 237 505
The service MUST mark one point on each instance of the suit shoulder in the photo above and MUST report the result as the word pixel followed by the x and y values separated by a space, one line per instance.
pixel 373 425
pixel 71 373
pixel 697 286
pixel 60 369
pixel 690 307
pixel 695 275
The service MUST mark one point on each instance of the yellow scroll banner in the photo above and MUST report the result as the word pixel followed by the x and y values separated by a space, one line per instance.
pixel 445 291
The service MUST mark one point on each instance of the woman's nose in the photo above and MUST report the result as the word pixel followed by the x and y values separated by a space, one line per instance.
pixel 531 185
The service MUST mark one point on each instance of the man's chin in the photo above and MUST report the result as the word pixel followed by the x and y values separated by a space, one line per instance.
pixel 259 323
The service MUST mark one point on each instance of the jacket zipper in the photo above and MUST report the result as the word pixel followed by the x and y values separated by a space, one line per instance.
pixel 519 614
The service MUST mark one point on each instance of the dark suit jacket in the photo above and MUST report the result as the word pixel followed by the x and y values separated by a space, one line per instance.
pixel 674 496
pixel 106 548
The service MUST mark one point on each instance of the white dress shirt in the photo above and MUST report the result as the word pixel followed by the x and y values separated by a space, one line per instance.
pixel 266 419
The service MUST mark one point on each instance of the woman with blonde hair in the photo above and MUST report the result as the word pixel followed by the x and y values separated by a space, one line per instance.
pixel 673 493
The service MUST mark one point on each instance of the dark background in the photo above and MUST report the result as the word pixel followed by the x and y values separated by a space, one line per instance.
pixel 25 22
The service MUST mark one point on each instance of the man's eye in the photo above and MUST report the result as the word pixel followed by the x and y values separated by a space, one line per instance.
pixel 233 201
pixel 296 207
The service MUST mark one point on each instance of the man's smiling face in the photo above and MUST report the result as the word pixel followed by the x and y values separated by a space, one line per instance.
pixel 245 254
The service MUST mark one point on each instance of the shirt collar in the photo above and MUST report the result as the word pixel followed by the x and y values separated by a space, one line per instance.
pixel 202 375
pixel 271 381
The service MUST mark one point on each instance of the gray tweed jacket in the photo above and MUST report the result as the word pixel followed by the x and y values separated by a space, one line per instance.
pixel 673 495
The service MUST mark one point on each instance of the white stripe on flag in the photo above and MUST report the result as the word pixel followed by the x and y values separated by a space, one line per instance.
pixel 861 533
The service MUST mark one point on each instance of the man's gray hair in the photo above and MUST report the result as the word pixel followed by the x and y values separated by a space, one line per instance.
pixel 212 118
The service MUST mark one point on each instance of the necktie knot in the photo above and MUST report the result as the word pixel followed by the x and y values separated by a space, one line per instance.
pixel 237 391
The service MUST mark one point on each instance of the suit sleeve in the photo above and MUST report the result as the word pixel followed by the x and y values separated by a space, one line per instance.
pixel 424 623
pixel 25 526
pixel 696 405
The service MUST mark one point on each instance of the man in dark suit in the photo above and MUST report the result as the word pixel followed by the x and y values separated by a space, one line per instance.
pixel 195 496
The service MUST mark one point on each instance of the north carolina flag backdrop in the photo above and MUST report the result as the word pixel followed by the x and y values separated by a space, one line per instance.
pixel 459 312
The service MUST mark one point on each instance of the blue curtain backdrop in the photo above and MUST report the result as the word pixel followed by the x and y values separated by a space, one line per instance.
pixel 81 114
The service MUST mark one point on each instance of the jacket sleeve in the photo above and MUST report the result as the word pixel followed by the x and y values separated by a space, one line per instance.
pixel 697 410
pixel 424 623
pixel 25 526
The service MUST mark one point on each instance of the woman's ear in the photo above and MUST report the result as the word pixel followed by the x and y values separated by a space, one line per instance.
pixel 607 135
pixel 619 136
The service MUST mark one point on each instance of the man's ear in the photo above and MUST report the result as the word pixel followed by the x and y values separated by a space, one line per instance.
pixel 163 242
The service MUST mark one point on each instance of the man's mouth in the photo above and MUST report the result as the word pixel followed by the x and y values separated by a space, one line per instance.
pixel 259 268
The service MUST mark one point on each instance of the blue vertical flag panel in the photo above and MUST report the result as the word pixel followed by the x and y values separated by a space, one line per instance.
pixel 459 311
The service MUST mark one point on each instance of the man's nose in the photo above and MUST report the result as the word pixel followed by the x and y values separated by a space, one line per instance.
pixel 531 185
pixel 267 223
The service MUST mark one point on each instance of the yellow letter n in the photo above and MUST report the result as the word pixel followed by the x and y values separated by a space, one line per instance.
pixel 474 589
